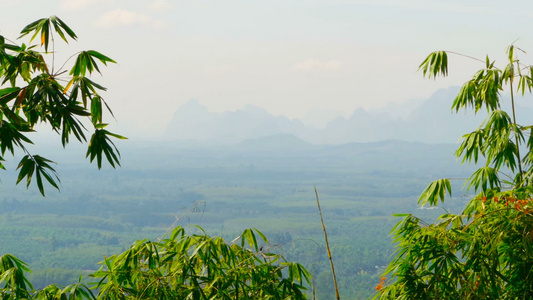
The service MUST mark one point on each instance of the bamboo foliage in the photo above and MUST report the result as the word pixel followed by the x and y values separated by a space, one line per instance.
pixel 486 252
pixel 180 267
pixel 32 91
pixel 201 267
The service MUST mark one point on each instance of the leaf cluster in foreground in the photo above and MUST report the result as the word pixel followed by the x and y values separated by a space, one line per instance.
pixel 485 252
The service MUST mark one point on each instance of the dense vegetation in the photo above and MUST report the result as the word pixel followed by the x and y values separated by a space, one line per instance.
pixel 486 251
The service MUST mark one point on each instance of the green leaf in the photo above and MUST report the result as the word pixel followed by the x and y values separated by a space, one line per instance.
pixel 508 74
pixel 27 167
pixel 8 94
pixel 65 27
pixel 482 90
pixel 510 52
pixel 30 165
pixel 104 59
pixel 262 236
pixel 472 146
pixel 34 26
pixel 85 62
pixel 401 215
pixel 60 26
pixel 523 83
pixel 96 110
pixel 101 144
pixel 435 63
pixel 435 192
pixel 43 26
pixel 483 179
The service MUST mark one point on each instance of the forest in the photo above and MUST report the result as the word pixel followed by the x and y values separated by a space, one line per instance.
pixel 226 190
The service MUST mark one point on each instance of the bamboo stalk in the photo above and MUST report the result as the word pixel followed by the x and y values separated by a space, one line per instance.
pixel 327 247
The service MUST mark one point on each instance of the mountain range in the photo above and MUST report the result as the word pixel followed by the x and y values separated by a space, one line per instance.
pixel 430 120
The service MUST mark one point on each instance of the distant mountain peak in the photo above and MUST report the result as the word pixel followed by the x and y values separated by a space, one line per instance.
pixel 192 106
pixel 358 113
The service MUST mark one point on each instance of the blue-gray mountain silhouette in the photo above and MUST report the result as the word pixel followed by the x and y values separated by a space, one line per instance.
pixel 432 121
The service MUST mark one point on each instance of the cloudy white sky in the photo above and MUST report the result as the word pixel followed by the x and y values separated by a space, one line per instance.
pixel 287 56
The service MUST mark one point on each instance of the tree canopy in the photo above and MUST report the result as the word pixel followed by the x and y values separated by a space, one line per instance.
pixel 485 252
pixel 34 91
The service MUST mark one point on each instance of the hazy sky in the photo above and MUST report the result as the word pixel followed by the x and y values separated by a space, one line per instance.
pixel 289 56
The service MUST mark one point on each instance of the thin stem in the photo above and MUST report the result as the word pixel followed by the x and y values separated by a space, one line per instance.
pixel 468 56
pixel 53 52
pixel 191 209
pixel 66 61
pixel 327 247
pixel 516 135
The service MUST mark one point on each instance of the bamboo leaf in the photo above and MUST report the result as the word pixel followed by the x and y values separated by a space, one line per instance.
pixel 435 192
pixel 436 63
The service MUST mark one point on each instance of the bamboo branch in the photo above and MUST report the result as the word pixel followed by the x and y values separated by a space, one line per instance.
pixel 327 247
